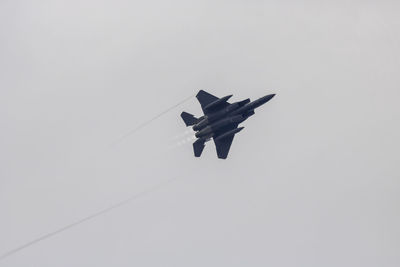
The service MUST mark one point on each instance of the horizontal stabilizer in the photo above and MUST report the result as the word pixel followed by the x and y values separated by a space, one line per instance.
pixel 198 147
pixel 189 119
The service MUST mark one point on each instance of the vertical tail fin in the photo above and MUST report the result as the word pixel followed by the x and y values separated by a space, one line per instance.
pixel 198 147
pixel 189 119
pixel 244 102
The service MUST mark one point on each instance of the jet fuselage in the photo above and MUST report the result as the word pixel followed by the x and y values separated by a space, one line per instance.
pixel 235 113
pixel 220 121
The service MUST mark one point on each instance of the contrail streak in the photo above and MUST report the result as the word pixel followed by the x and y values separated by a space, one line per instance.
pixel 144 124
pixel 187 132
pixel 183 141
pixel 85 219
pixel 110 208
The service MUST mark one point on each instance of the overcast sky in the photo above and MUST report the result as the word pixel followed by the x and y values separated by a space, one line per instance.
pixel 312 180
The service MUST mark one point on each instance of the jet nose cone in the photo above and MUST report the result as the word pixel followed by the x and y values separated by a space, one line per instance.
pixel 267 98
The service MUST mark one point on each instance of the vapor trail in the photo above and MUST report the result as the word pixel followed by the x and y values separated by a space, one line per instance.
pixel 186 132
pixel 85 219
pixel 144 124
pixel 110 208
pixel 183 141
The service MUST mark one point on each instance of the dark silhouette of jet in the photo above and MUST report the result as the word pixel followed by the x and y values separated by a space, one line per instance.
pixel 220 121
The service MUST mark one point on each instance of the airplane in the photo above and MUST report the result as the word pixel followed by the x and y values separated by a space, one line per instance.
pixel 220 120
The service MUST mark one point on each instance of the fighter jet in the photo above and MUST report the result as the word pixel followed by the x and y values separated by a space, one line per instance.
pixel 220 120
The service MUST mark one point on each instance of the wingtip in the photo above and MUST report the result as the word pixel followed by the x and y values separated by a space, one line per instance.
pixel 201 91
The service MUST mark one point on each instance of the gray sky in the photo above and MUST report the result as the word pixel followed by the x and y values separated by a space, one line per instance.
pixel 313 180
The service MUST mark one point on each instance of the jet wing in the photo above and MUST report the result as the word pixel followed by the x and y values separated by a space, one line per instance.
pixel 205 99
pixel 223 145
